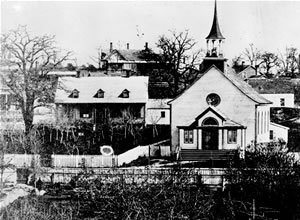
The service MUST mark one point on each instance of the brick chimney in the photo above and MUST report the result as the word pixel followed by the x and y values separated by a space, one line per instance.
pixel 146 45
pixel 110 46
pixel 127 46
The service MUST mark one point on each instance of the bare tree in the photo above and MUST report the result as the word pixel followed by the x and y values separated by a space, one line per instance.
pixel 269 61
pixel 180 61
pixel 252 55
pixel 98 59
pixel 27 60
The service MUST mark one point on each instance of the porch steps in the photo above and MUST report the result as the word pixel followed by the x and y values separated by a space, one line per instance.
pixel 206 155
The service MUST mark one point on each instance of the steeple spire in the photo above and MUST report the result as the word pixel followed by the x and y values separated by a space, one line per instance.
pixel 215 32
pixel 214 43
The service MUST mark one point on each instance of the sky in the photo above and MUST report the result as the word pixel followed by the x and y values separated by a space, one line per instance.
pixel 82 27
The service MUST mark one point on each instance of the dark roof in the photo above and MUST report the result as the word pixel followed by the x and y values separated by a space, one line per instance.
pixel 240 68
pixel 134 55
pixel 215 32
pixel 245 87
pixel 130 55
pixel 272 86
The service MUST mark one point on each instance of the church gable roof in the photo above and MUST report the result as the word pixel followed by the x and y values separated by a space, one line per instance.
pixel 237 82
pixel 245 87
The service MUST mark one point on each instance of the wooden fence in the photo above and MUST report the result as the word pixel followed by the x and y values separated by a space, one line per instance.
pixel 22 160
pixel 76 161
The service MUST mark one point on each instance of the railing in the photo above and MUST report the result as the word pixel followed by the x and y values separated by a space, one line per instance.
pixel 208 176
pixel 149 151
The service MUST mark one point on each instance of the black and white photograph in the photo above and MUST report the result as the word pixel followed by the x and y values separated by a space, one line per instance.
pixel 150 110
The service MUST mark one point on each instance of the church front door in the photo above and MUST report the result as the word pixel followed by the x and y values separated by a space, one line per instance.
pixel 210 139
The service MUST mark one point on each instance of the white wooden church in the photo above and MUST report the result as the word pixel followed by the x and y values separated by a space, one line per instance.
pixel 219 112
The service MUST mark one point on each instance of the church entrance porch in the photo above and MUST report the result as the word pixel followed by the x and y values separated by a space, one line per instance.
pixel 212 135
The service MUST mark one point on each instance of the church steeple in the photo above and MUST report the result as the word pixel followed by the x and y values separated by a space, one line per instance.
pixel 214 41
pixel 215 38
pixel 215 32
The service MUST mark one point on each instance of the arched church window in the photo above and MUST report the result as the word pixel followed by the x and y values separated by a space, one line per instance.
pixel 210 122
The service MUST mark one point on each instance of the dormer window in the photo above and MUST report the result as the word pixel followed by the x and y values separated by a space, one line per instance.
pixel 99 94
pixel 124 94
pixel 74 94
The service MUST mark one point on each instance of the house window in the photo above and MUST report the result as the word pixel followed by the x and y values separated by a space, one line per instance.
pixel 282 102
pixel 99 94
pixel 74 94
pixel 232 134
pixel 85 111
pixel 124 94
pixel 162 114
pixel 188 136
pixel 271 135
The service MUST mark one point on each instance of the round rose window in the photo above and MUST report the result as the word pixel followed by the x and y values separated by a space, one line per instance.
pixel 213 99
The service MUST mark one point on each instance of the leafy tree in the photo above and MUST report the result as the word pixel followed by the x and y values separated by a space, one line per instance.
pixel 269 62
pixel 180 62
pixel 27 60
pixel 269 176
pixel 70 67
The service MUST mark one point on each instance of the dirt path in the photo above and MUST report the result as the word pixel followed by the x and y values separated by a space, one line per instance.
pixel 14 193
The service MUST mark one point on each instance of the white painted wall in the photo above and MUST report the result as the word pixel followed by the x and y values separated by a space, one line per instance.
pixel 263 123
pixel 275 98
pixel 234 104
pixel 279 132
pixel 153 116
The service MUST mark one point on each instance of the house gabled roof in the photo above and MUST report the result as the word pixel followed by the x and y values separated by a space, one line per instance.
pixel 237 82
pixel 158 104
pixel 279 126
pixel 130 55
pixel 240 68
pixel 113 87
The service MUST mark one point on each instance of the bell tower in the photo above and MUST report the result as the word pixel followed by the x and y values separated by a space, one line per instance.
pixel 214 46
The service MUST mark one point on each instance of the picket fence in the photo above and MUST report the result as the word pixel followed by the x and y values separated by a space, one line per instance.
pixel 92 161
pixel 76 161
pixel 22 160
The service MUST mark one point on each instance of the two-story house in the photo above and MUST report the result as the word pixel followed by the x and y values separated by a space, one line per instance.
pixel 128 62
pixel 96 99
